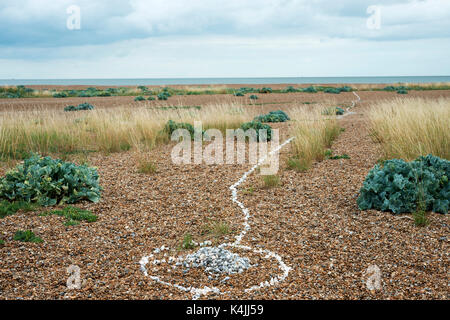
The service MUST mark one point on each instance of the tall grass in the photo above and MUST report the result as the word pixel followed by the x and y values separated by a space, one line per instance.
pixel 408 128
pixel 106 130
pixel 313 133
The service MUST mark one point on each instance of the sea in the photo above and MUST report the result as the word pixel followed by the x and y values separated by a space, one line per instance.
pixel 224 81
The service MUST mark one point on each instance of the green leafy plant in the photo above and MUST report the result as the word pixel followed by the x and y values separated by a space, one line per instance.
pixel 48 181
pixel 402 91
pixel 273 116
pixel 265 90
pixel 290 89
pixel 309 89
pixel 398 186
pixel 254 97
pixel 151 98
pixel 239 94
pixel 9 208
pixel 139 98
pixel 73 215
pixel 26 236
pixel 257 126
pixel 329 155
pixel 2 242
pixel 171 126
pixel 60 95
pixel 81 106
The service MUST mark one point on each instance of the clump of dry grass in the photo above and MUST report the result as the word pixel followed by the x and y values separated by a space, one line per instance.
pixel 105 130
pixel 313 133
pixel 407 128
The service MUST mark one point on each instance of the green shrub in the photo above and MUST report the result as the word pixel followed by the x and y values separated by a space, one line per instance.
pixel 9 208
pixel 2 242
pixel 273 116
pixel 309 89
pixel 254 97
pixel 151 98
pixel 60 95
pixel 402 91
pixel 81 106
pixel 171 126
pixel 139 98
pixel 239 94
pixel 26 236
pixel 398 186
pixel 256 125
pixel 290 89
pixel 265 90
pixel 48 181
pixel 163 95
pixel 73 215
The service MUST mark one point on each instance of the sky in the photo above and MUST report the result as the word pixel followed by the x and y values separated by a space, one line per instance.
pixel 70 39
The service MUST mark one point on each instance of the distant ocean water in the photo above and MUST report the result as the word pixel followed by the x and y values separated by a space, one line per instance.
pixel 192 81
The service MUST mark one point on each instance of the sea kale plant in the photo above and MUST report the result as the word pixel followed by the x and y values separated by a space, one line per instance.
pixel 256 125
pixel 273 116
pixel 48 181
pixel 82 106
pixel 401 187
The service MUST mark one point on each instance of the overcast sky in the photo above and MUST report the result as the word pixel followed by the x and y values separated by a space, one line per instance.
pixel 215 38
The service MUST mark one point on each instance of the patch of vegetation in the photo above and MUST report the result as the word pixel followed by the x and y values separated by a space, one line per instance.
pixel 265 90
pixel 329 155
pixel 216 228
pixel 253 97
pixel 331 111
pixel 271 181
pixel 336 90
pixel 310 89
pixel 146 167
pixel 188 243
pixel 164 94
pixel 257 126
pixel 139 98
pixel 402 91
pixel 171 126
pixel 16 92
pixel 48 181
pixel 290 89
pixel 178 107
pixel 273 116
pixel 399 186
pixel 81 106
pixel 60 95
pixel 9 208
pixel 73 215
pixel 239 94
pixel 151 98
pixel 26 236
pixel 2 242
pixel 249 190
pixel 297 164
